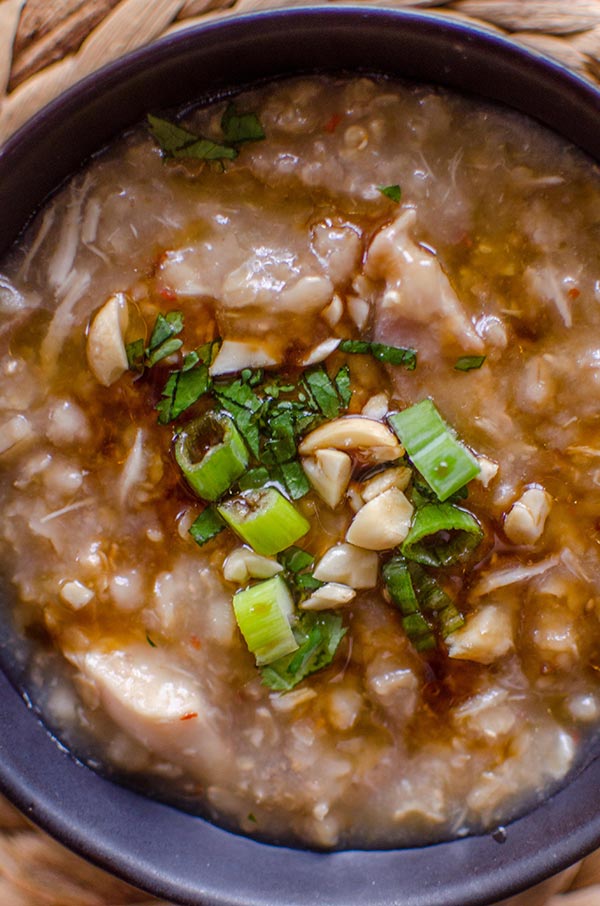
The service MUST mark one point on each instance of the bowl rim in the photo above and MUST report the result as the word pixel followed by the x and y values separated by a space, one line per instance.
pixel 109 824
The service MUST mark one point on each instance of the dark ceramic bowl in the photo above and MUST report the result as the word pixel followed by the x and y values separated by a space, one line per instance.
pixel 165 851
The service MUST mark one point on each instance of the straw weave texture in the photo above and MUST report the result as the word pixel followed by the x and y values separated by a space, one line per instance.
pixel 48 45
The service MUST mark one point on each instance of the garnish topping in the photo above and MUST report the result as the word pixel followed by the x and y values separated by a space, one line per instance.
pixel 318 636
pixel 390 355
pixel 245 453
pixel 394 192
pixel 176 142
pixel 443 461
pixel 469 362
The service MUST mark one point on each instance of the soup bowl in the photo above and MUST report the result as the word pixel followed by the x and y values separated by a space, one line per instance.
pixel 151 844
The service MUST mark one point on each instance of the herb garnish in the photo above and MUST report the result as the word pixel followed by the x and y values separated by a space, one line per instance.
pixel 186 386
pixel 390 355
pixel 318 636
pixel 162 344
pixel 150 642
pixel 207 526
pixel 469 362
pixel 297 564
pixel 180 143
pixel 241 127
pixel 394 193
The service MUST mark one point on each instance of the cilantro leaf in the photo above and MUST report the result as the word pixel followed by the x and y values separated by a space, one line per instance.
pixel 166 326
pixel 394 192
pixel 318 635
pixel 206 526
pixel 241 127
pixel 323 391
pixel 169 136
pixel 205 149
pixel 294 559
pixel 469 362
pixel 390 355
pixel 254 478
pixel 342 385
pixel 163 351
pixel 294 478
pixel 135 354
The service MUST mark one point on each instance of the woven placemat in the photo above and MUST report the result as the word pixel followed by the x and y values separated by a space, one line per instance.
pixel 48 45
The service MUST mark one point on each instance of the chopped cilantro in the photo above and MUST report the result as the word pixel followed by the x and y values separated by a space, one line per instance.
pixel 164 351
pixel 342 385
pixel 469 362
pixel 162 342
pixel 318 636
pixel 169 136
pixel 254 478
pixel 394 193
pixel 241 127
pixel 205 149
pixel 150 642
pixel 176 142
pixel 294 478
pixel 206 526
pixel 323 391
pixel 185 387
pixel 135 354
pixel 165 327
pixel 297 563
pixel 295 559
pixel 390 355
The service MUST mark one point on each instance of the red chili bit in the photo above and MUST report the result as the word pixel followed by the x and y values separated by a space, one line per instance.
pixel 332 124
pixel 189 716
pixel 574 293
pixel 168 294
pixel 195 642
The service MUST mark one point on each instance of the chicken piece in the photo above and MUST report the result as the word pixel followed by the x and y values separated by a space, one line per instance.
pixel 338 247
pixel 486 636
pixel 158 703
pixel 524 523
pixel 416 287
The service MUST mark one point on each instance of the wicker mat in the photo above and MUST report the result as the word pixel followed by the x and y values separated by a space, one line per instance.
pixel 47 45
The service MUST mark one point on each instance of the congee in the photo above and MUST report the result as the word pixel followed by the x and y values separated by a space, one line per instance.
pixel 300 460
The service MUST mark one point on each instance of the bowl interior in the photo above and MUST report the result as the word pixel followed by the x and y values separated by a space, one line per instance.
pixel 151 844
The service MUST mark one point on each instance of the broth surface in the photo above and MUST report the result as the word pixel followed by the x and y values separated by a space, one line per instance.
pixel 491 252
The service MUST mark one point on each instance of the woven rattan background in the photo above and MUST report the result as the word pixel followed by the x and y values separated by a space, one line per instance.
pixel 47 45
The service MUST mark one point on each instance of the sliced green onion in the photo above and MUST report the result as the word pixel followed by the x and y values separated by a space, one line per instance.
pixel 441 534
pixel 422 601
pixel 435 601
pixel 439 456
pixel 211 454
pixel 450 619
pixel 206 526
pixel 398 581
pixel 265 520
pixel 263 613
